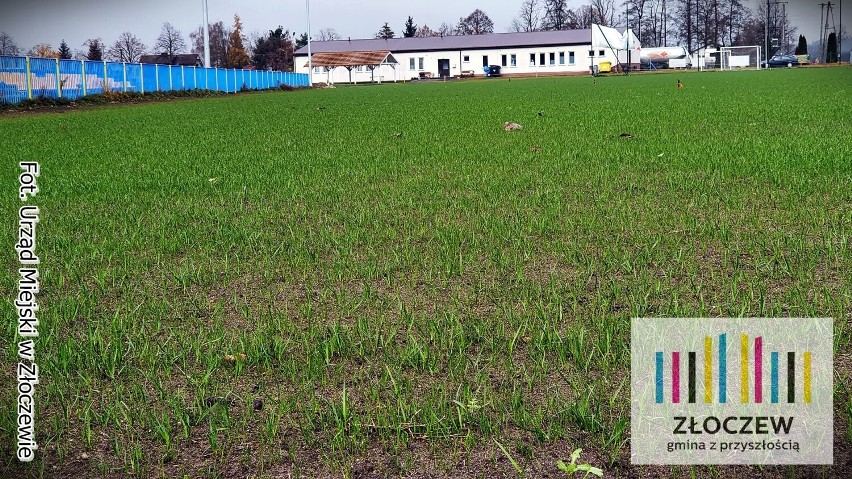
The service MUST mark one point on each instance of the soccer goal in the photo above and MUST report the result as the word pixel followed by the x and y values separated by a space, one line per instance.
pixel 739 58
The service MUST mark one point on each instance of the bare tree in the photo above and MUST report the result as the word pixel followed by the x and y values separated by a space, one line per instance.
pixel 654 24
pixel 684 20
pixel 219 42
pixel 476 23
pixel 444 30
pixel 556 15
pixel 170 42
pixel 425 31
pixel 529 18
pixel 8 46
pixel 582 17
pixel 736 19
pixel 127 48
pixel 327 35
pixel 637 9
pixel 605 11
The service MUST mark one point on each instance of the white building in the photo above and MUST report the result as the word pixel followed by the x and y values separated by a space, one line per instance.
pixel 526 53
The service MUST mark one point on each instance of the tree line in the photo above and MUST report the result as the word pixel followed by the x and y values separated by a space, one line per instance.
pixel 230 47
pixel 692 23
pixel 475 23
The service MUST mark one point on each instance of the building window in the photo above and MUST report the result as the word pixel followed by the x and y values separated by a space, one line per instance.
pixel 561 58
pixel 541 59
pixel 601 53
pixel 411 63
pixel 420 63
pixel 466 59
pixel 570 58
pixel 591 53
pixel 513 59
pixel 552 59
pixel 503 60
pixel 532 59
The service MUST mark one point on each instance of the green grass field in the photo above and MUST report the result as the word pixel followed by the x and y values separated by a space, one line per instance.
pixel 380 281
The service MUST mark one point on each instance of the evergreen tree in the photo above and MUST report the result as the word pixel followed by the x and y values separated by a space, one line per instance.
pixel 802 48
pixel 64 51
pixel 302 41
pixel 831 49
pixel 385 32
pixel 238 57
pixel 96 49
pixel 274 51
pixel 410 28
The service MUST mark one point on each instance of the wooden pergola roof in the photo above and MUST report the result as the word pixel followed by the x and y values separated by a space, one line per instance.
pixel 352 59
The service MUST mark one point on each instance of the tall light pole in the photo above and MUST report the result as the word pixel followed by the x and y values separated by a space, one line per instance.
pixel 310 59
pixel 766 33
pixel 206 35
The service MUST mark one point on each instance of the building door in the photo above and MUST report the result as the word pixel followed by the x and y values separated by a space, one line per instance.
pixel 444 67
pixel 484 60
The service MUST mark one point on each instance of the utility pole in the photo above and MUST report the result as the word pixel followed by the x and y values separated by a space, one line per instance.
pixel 206 22
pixel 823 49
pixel 627 34
pixel 821 31
pixel 310 58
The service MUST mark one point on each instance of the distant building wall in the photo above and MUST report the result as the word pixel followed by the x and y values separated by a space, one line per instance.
pixel 521 61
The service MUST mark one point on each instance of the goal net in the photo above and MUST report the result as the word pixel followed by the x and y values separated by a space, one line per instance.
pixel 739 58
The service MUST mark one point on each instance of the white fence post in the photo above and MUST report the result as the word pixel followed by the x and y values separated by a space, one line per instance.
pixel 124 75
pixel 83 69
pixel 29 81
pixel 58 83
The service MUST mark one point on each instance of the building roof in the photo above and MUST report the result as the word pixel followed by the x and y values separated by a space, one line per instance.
pixel 186 59
pixel 453 42
pixel 351 59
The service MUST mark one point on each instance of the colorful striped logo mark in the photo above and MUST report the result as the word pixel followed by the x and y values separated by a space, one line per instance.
pixel 751 382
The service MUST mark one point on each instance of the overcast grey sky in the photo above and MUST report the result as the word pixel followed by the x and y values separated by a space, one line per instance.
pixel 49 21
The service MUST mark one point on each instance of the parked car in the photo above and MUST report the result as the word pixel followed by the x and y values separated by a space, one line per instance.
pixel 781 61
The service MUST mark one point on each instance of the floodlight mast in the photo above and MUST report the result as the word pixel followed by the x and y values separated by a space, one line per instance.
pixel 310 60
pixel 766 33
pixel 206 35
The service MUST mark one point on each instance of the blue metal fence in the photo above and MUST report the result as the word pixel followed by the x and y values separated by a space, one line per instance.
pixel 23 77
